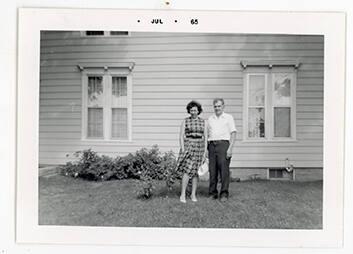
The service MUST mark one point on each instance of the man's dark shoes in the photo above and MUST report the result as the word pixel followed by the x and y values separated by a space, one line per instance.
pixel 214 196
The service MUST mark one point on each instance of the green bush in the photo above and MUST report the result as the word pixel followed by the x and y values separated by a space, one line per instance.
pixel 91 166
pixel 152 165
pixel 145 165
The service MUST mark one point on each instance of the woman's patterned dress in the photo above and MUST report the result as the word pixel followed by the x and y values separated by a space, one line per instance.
pixel 194 147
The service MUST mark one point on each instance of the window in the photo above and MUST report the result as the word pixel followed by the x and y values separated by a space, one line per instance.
pixel 94 33
pixel 106 105
pixel 119 33
pixel 119 108
pixel 280 174
pixel 276 173
pixel 269 104
pixel 104 33
pixel 256 106
pixel 95 107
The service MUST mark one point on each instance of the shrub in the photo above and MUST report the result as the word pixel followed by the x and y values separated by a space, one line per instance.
pixel 91 166
pixel 145 165
pixel 154 166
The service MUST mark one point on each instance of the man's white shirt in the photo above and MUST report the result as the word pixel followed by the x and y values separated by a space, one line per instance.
pixel 220 128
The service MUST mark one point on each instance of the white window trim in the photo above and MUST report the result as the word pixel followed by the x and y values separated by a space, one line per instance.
pixel 106 74
pixel 106 34
pixel 269 107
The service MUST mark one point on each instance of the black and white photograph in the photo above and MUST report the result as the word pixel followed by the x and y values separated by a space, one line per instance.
pixel 127 119
pixel 148 126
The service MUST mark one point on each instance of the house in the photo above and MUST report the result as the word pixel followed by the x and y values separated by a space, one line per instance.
pixel 119 91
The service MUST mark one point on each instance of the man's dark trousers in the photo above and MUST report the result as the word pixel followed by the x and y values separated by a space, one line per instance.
pixel 218 164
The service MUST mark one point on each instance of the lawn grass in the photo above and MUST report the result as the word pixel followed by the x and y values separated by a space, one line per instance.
pixel 252 204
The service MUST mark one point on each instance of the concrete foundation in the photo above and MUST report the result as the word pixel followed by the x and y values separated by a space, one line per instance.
pixel 309 174
pixel 299 174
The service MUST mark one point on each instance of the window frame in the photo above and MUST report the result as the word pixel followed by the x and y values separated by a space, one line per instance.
pixel 107 75
pixel 269 74
pixel 293 109
pixel 286 176
pixel 246 105
pixel 105 34
pixel 86 106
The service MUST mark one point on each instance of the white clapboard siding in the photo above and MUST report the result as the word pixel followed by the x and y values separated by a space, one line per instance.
pixel 306 69
pixel 167 143
pixel 155 60
pixel 170 70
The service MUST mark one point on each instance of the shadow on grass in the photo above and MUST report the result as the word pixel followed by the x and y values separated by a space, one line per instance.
pixel 174 191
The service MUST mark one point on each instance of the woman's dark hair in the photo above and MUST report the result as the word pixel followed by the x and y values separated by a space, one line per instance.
pixel 192 104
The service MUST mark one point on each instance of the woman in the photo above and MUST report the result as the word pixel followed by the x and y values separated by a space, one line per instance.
pixel 193 147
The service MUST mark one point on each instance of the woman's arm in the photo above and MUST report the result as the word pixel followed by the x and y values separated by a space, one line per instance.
pixel 181 135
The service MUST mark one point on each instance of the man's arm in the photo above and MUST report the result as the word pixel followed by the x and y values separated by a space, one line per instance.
pixel 231 143
pixel 233 132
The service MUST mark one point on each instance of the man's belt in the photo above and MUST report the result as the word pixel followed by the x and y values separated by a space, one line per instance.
pixel 217 141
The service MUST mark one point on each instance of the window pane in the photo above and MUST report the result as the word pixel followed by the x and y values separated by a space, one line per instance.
pixel 119 33
pixel 282 95
pixel 119 123
pixel 94 33
pixel 256 90
pixel 256 123
pixel 276 173
pixel 282 122
pixel 95 92
pixel 95 123
pixel 119 92
pixel 119 86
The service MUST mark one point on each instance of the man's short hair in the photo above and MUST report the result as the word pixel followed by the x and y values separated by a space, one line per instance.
pixel 217 100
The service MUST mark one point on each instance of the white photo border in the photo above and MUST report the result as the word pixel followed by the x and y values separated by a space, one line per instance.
pixel 32 21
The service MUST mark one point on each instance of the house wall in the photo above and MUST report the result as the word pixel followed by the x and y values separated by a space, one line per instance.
pixel 170 70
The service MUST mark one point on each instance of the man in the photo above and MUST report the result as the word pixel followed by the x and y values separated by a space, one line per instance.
pixel 221 137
